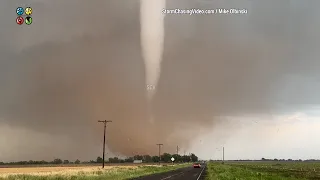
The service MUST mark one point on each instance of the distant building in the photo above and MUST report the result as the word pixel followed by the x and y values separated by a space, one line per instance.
pixel 137 161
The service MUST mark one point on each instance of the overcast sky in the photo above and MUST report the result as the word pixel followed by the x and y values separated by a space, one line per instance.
pixel 247 82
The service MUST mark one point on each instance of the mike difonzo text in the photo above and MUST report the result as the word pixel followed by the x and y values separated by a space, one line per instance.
pixel 231 11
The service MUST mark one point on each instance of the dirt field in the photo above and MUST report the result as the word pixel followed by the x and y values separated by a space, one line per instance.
pixel 65 169
pixel 119 172
pixel 55 170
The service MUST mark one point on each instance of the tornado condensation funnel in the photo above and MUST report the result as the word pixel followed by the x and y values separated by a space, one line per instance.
pixel 152 39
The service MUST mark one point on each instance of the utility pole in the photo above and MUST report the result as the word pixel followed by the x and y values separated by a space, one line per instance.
pixel 222 154
pixel 160 152
pixel 104 139
pixel 177 150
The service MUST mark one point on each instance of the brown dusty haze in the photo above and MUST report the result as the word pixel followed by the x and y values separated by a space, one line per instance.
pixel 59 77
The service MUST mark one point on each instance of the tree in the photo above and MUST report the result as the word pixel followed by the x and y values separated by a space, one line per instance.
pixel 66 162
pixel 147 158
pixel 138 157
pixel 166 157
pixel 155 158
pixel 99 160
pixel 186 158
pixel 177 158
pixel 194 158
pixel 129 159
pixel 114 160
pixel 57 161
pixel 21 162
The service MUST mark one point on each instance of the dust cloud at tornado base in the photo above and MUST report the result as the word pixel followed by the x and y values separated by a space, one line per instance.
pixel 74 73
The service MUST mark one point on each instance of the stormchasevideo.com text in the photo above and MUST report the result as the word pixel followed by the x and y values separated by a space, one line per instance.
pixel 195 11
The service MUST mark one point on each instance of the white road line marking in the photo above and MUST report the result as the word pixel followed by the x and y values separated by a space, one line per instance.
pixel 172 176
pixel 201 172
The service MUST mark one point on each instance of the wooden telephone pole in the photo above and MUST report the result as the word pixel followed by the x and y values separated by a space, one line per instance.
pixel 160 152
pixel 104 140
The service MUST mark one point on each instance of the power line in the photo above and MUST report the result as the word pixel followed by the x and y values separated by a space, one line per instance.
pixel 104 139
pixel 160 152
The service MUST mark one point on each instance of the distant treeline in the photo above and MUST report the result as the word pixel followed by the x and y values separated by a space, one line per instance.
pixel 166 157
pixel 264 159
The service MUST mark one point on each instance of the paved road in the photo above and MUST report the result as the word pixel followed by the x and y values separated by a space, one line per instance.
pixel 188 173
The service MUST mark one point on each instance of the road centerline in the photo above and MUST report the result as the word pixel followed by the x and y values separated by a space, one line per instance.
pixel 172 176
pixel 201 172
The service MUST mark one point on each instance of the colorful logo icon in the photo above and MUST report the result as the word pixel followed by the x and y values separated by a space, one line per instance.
pixel 28 20
pixel 20 11
pixel 19 20
pixel 28 11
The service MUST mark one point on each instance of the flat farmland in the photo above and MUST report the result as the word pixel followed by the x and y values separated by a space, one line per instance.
pixel 49 170
pixel 83 171
pixel 273 170
pixel 80 165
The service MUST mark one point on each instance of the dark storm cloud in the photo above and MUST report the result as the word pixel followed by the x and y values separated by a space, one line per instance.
pixel 75 73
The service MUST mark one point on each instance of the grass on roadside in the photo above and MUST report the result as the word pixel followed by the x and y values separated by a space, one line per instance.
pixel 110 174
pixel 299 170
pixel 218 171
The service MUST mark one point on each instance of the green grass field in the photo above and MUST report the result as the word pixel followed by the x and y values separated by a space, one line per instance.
pixel 263 171
pixel 117 173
